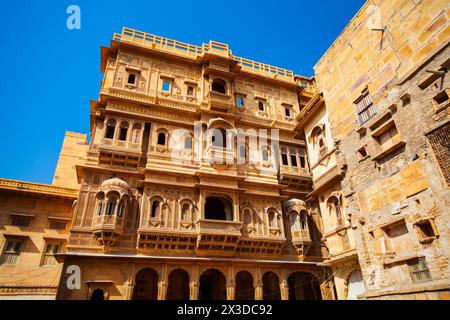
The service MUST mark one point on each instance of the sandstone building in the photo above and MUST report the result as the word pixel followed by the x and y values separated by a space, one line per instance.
pixel 211 176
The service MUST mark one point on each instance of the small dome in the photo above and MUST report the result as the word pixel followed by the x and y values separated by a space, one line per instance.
pixel 115 183
pixel 294 204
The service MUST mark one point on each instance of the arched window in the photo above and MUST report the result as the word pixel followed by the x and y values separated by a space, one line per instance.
pixel 132 78
pixel 98 295
pixel 110 127
pixel 162 139
pixel 190 91
pixel 293 154
pixel 123 131
pixel 318 139
pixel 219 86
pixel 272 219
pixel 218 208
pixel 284 157
pixel 111 205
pixel 185 212
pixel 265 153
pixel 334 208
pixel 303 222
pixel 188 142
pixel 122 207
pixel 100 203
pixel 294 221
pixel 247 217
pixel 155 209
pixel 136 133
pixel 219 138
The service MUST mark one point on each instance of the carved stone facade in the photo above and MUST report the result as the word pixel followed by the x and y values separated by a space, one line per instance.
pixel 211 176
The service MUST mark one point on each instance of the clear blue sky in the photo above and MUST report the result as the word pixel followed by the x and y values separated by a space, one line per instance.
pixel 49 73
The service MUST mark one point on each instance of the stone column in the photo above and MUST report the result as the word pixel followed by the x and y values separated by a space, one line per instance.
pixel 284 290
pixel 327 290
pixel 230 292
pixel 129 287
pixel 193 290
pixel 259 292
pixel 162 289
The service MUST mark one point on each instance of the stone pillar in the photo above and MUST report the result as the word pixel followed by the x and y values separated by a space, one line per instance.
pixel 193 290
pixel 327 290
pixel 259 292
pixel 284 290
pixel 129 287
pixel 230 292
pixel 162 289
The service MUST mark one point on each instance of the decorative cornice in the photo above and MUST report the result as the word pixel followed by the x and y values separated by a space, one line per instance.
pixel 37 188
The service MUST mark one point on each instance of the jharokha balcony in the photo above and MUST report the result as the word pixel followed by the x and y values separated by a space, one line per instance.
pixel 219 101
pixel 218 233
pixel 112 202
pixel 217 237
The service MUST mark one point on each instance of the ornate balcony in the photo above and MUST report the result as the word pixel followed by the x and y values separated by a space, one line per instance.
pixel 301 241
pixel 219 101
pixel 119 145
pixel 219 155
pixel 217 237
pixel 107 229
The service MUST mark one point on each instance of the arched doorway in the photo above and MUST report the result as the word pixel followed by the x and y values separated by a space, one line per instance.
pixel 355 285
pixel 303 286
pixel 244 286
pixel 178 288
pixel 218 209
pixel 98 295
pixel 271 286
pixel 146 287
pixel 212 285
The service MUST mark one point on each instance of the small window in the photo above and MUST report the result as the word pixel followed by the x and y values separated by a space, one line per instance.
pixel 240 101
pixel 219 86
pixel 20 221
pixel 110 127
pixel 302 162
pixel 48 258
pixel 111 206
pixel 166 85
pixel 123 131
pixel 219 138
pixel 190 91
pixel 303 224
pixel 58 225
pixel 265 154
pixel 136 133
pixel 121 209
pixel 11 251
pixel 284 158
pixel 419 270
pixel 365 108
pixel 362 152
pixel 293 160
pixel 243 152
pixel 188 142
pixel 260 106
pixel 131 78
pixel 390 135
pixel 162 139
pixel 287 112
pixel 426 231
pixel 155 209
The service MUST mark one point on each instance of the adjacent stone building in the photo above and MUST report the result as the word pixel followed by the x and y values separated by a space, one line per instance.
pixel 385 84
pixel 212 176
